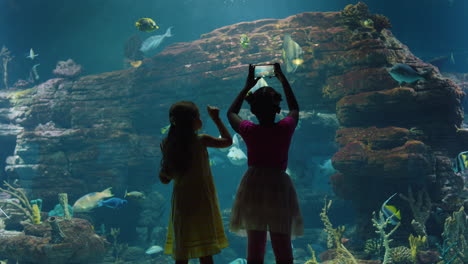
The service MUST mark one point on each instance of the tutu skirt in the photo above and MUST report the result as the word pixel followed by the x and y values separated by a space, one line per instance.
pixel 266 200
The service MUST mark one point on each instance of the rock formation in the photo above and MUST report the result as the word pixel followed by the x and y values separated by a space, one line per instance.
pixel 84 135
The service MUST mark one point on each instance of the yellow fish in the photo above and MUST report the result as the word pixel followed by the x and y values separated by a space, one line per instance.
pixel 90 201
pixel 165 129
pixel 135 194
pixel 146 24
pixel 367 23
pixel 297 61
pixel 136 64
pixel 244 41
pixel 392 214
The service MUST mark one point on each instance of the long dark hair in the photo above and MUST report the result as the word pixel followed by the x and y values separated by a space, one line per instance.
pixel 176 147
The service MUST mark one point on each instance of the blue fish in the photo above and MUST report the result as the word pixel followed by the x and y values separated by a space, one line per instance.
pixel 239 261
pixel 153 42
pixel 403 73
pixel 461 162
pixel 113 203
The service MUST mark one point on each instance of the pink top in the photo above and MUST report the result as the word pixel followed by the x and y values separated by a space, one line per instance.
pixel 268 146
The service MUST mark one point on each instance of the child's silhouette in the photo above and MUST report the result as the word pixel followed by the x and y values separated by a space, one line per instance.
pixel 266 199
pixel 195 227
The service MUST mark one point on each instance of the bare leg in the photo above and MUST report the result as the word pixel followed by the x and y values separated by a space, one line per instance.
pixel 281 244
pixel 256 246
pixel 206 260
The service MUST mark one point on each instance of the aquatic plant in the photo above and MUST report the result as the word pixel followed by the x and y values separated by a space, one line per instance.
pixel 334 236
pixel 23 204
pixel 117 248
pixel 373 247
pixel 445 251
pixel 416 243
pixel 6 56
pixel 63 200
pixel 313 259
pixel 36 214
pixel 421 209
pixel 381 223
pixel 455 247
pixel 401 255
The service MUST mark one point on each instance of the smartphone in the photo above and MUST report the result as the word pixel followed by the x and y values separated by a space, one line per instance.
pixel 264 70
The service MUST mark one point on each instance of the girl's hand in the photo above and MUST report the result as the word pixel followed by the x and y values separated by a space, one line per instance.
pixel 251 80
pixel 213 112
pixel 278 71
pixel 164 178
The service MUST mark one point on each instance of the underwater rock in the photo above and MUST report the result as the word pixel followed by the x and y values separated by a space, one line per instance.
pixel 104 129
pixel 67 69
pixel 80 245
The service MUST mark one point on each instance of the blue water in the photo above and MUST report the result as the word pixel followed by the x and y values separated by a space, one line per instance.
pixel 87 30
pixel 94 32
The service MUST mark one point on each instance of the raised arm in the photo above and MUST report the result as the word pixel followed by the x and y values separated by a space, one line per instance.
pixel 233 111
pixel 290 98
pixel 214 142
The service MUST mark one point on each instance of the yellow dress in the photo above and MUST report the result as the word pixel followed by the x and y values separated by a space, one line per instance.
pixel 195 225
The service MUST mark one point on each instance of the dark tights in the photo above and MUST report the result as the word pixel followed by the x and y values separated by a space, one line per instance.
pixel 281 244
pixel 203 260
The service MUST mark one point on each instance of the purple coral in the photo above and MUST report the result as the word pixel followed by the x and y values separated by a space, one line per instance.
pixel 67 69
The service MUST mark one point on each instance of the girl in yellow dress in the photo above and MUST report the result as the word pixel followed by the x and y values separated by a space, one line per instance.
pixel 195 227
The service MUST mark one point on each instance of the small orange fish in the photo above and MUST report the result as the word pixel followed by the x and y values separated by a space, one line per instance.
pixel 344 240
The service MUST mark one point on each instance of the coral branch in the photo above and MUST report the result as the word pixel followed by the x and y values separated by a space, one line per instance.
pixel 421 208
pixel 24 204
pixel 380 224
pixel 335 235
pixel 5 54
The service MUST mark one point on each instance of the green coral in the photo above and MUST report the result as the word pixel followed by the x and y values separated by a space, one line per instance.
pixel 454 235
pixel 313 259
pixel 421 208
pixel 358 16
pixel 373 247
pixel 415 244
pixel 334 237
pixel 381 223
pixel 401 255
pixel 381 22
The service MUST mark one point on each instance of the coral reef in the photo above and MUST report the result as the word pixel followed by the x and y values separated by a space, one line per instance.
pixel 415 244
pixel 381 223
pixel 67 69
pixel 455 246
pixel 313 259
pixel 356 16
pixel 80 135
pixel 335 235
pixel 373 247
pixel 63 200
pixel 31 212
pixel 43 243
pixel 400 255
pixel 421 209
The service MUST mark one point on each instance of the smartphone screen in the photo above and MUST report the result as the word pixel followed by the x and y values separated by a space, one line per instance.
pixel 264 71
